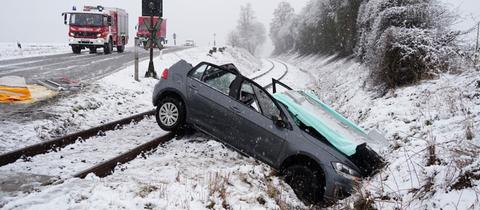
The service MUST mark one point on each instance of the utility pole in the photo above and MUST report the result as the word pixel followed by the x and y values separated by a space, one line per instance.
pixel 151 68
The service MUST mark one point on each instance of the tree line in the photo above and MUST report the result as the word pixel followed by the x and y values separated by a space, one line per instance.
pixel 402 41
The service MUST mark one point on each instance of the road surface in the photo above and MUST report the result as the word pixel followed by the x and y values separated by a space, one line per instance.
pixel 72 67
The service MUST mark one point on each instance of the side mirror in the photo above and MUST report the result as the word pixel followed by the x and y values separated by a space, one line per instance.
pixel 279 122
pixel 109 20
pixel 64 18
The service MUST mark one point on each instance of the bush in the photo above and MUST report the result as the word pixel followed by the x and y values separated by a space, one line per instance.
pixel 408 55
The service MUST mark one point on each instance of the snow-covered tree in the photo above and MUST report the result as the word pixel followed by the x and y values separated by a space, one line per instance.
pixel 282 28
pixel 249 34
pixel 328 27
pixel 233 39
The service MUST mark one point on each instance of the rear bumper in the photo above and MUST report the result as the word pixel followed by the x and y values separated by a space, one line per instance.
pixel 100 42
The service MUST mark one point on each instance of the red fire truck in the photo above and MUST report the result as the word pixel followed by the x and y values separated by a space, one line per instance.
pixel 143 33
pixel 97 27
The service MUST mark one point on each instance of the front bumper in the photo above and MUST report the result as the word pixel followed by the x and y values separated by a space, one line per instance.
pixel 340 188
pixel 86 41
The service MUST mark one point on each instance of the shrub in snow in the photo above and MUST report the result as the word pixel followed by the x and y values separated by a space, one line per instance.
pixel 405 41
pixel 408 55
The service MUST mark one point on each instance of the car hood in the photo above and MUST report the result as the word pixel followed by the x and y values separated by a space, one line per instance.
pixel 342 133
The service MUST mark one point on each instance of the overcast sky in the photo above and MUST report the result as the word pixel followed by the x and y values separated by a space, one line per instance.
pixel 40 21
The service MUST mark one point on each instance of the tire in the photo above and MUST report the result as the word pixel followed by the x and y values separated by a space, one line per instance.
pixel 93 50
pixel 76 49
pixel 121 48
pixel 307 183
pixel 170 114
pixel 108 48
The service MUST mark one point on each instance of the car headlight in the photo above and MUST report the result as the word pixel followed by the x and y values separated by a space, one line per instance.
pixel 99 35
pixel 346 171
pixel 72 34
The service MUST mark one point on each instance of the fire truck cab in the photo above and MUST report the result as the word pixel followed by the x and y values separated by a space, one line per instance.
pixel 97 27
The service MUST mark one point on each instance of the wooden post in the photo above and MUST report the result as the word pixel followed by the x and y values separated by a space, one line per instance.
pixel 136 60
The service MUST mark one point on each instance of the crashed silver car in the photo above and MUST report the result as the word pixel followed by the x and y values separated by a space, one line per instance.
pixel 320 154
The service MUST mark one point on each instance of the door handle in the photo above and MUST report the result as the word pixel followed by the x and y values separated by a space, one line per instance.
pixel 235 109
pixel 193 87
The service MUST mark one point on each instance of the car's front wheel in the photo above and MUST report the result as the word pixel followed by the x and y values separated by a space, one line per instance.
pixel 307 183
pixel 170 114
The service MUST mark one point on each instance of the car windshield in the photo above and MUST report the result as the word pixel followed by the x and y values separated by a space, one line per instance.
pixel 80 19
pixel 335 122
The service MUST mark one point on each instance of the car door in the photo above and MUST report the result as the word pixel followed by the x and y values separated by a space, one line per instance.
pixel 259 136
pixel 208 89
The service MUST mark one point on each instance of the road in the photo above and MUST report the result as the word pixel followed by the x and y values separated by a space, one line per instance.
pixel 72 67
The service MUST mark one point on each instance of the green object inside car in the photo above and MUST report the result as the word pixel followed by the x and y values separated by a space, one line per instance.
pixel 307 108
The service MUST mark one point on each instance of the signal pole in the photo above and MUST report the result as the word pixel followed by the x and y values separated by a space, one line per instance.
pixel 151 68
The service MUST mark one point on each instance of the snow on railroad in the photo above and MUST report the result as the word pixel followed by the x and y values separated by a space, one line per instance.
pixel 86 153
pixel 192 173
pixel 11 50
pixel 433 130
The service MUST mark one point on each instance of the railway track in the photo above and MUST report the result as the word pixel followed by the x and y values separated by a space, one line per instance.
pixel 281 77
pixel 107 167
pixel 266 72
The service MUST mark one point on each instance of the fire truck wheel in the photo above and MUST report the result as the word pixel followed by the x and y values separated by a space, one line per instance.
pixel 76 49
pixel 108 48
pixel 93 50
pixel 121 48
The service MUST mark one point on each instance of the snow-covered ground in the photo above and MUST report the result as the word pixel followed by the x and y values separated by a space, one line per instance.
pixel 433 131
pixel 111 98
pixel 198 173
pixel 11 50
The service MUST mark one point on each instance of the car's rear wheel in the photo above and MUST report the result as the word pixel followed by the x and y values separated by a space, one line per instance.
pixel 307 183
pixel 170 114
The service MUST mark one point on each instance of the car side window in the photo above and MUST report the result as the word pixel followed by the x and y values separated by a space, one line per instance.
pixel 219 79
pixel 198 73
pixel 247 96
pixel 269 108
pixel 256 98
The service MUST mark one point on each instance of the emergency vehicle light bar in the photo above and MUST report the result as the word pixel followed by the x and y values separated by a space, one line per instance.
pixel 89 8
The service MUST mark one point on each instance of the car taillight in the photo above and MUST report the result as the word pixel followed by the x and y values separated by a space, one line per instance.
pixel 165 74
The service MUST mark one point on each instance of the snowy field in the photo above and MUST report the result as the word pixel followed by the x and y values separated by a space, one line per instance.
pixel 11 50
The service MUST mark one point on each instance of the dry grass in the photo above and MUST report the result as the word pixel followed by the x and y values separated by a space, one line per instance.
pixel 217 186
